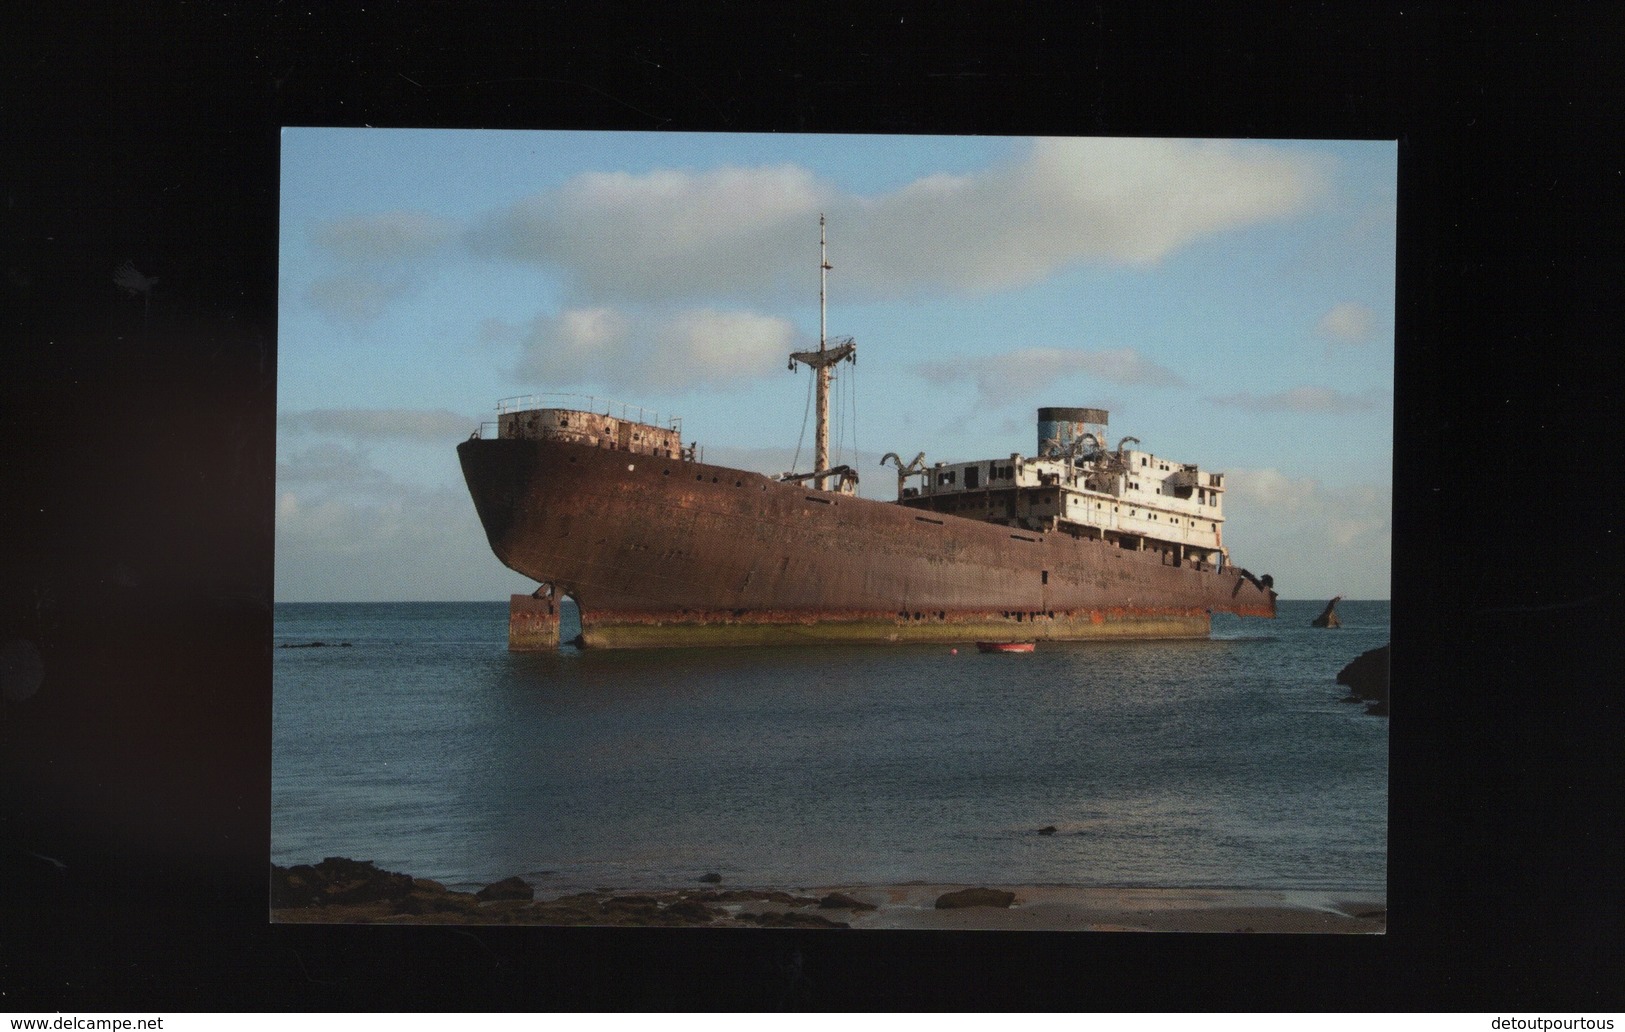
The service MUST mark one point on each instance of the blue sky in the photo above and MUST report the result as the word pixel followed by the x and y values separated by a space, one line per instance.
pixel 1231 303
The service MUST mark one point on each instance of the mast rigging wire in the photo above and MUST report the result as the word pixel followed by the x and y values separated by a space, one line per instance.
pixel 803 435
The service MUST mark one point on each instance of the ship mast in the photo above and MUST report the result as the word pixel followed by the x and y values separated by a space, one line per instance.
pixel 820 361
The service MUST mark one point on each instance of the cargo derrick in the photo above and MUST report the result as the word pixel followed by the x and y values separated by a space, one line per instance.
pixel 660 549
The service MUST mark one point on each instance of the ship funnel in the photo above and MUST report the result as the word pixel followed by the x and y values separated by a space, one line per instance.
pixel 1060 429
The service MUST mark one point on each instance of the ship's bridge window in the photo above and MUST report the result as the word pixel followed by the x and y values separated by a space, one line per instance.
pixel 946 477
pixel 972 476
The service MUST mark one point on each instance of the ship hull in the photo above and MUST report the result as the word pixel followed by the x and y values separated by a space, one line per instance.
pixel 661 552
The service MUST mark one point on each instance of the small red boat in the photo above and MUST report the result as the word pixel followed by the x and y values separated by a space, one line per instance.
pixel 1005 646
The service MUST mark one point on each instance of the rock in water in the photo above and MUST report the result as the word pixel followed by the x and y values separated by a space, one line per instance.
pixel 1367 677
pixel 507 888
pixel 841 901
pixel 1328 616
pixel 975 898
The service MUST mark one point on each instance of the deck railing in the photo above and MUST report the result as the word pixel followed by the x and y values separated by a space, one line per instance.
pixel 589 403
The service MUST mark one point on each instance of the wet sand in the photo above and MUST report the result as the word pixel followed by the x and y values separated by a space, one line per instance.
pixel 1072 908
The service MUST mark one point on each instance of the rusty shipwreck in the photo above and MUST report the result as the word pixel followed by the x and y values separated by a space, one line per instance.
pixel 658 548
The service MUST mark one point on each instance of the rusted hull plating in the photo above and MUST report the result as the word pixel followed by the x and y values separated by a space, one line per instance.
pixel 661 552
pixel 533 623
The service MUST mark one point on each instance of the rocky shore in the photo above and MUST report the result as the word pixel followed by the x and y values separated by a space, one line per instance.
pixel 342 891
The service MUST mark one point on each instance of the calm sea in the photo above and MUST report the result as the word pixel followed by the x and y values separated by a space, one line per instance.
pixel 427 747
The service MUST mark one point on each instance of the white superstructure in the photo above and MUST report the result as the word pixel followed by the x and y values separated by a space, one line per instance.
pixel 1134 498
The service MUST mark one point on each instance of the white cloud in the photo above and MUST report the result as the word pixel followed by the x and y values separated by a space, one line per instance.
pixel 1115 201
pixel 1346 323
pixel 1300 399
pixel 428 425
pixel 1316 541
pixel 384 237
pixel 659 353
pixel 407 543
pixel 347 530
pixel 355 299
pixel 745 235
pixel 329 463
pixel 666 234
pixel 1024 373
pixel 381 258
pixel 747 232
pixel 1270 490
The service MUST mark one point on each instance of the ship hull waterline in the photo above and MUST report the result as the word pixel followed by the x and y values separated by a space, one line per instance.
pixel 661 552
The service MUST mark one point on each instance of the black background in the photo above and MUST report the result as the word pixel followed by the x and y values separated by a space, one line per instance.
pixel 136 492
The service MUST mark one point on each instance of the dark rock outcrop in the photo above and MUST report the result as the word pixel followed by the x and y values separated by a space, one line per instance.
pixel 1367 679
pixel 711 878
pixel 1328 616
pixel 507 888
pixel 431 897
pixel 1048 829
pixel 841 901
pixel 631 909
pixel 975 898
pixel 341 891
pixel 335 880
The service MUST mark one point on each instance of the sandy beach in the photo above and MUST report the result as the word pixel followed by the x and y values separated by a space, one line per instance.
pixel 348 892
